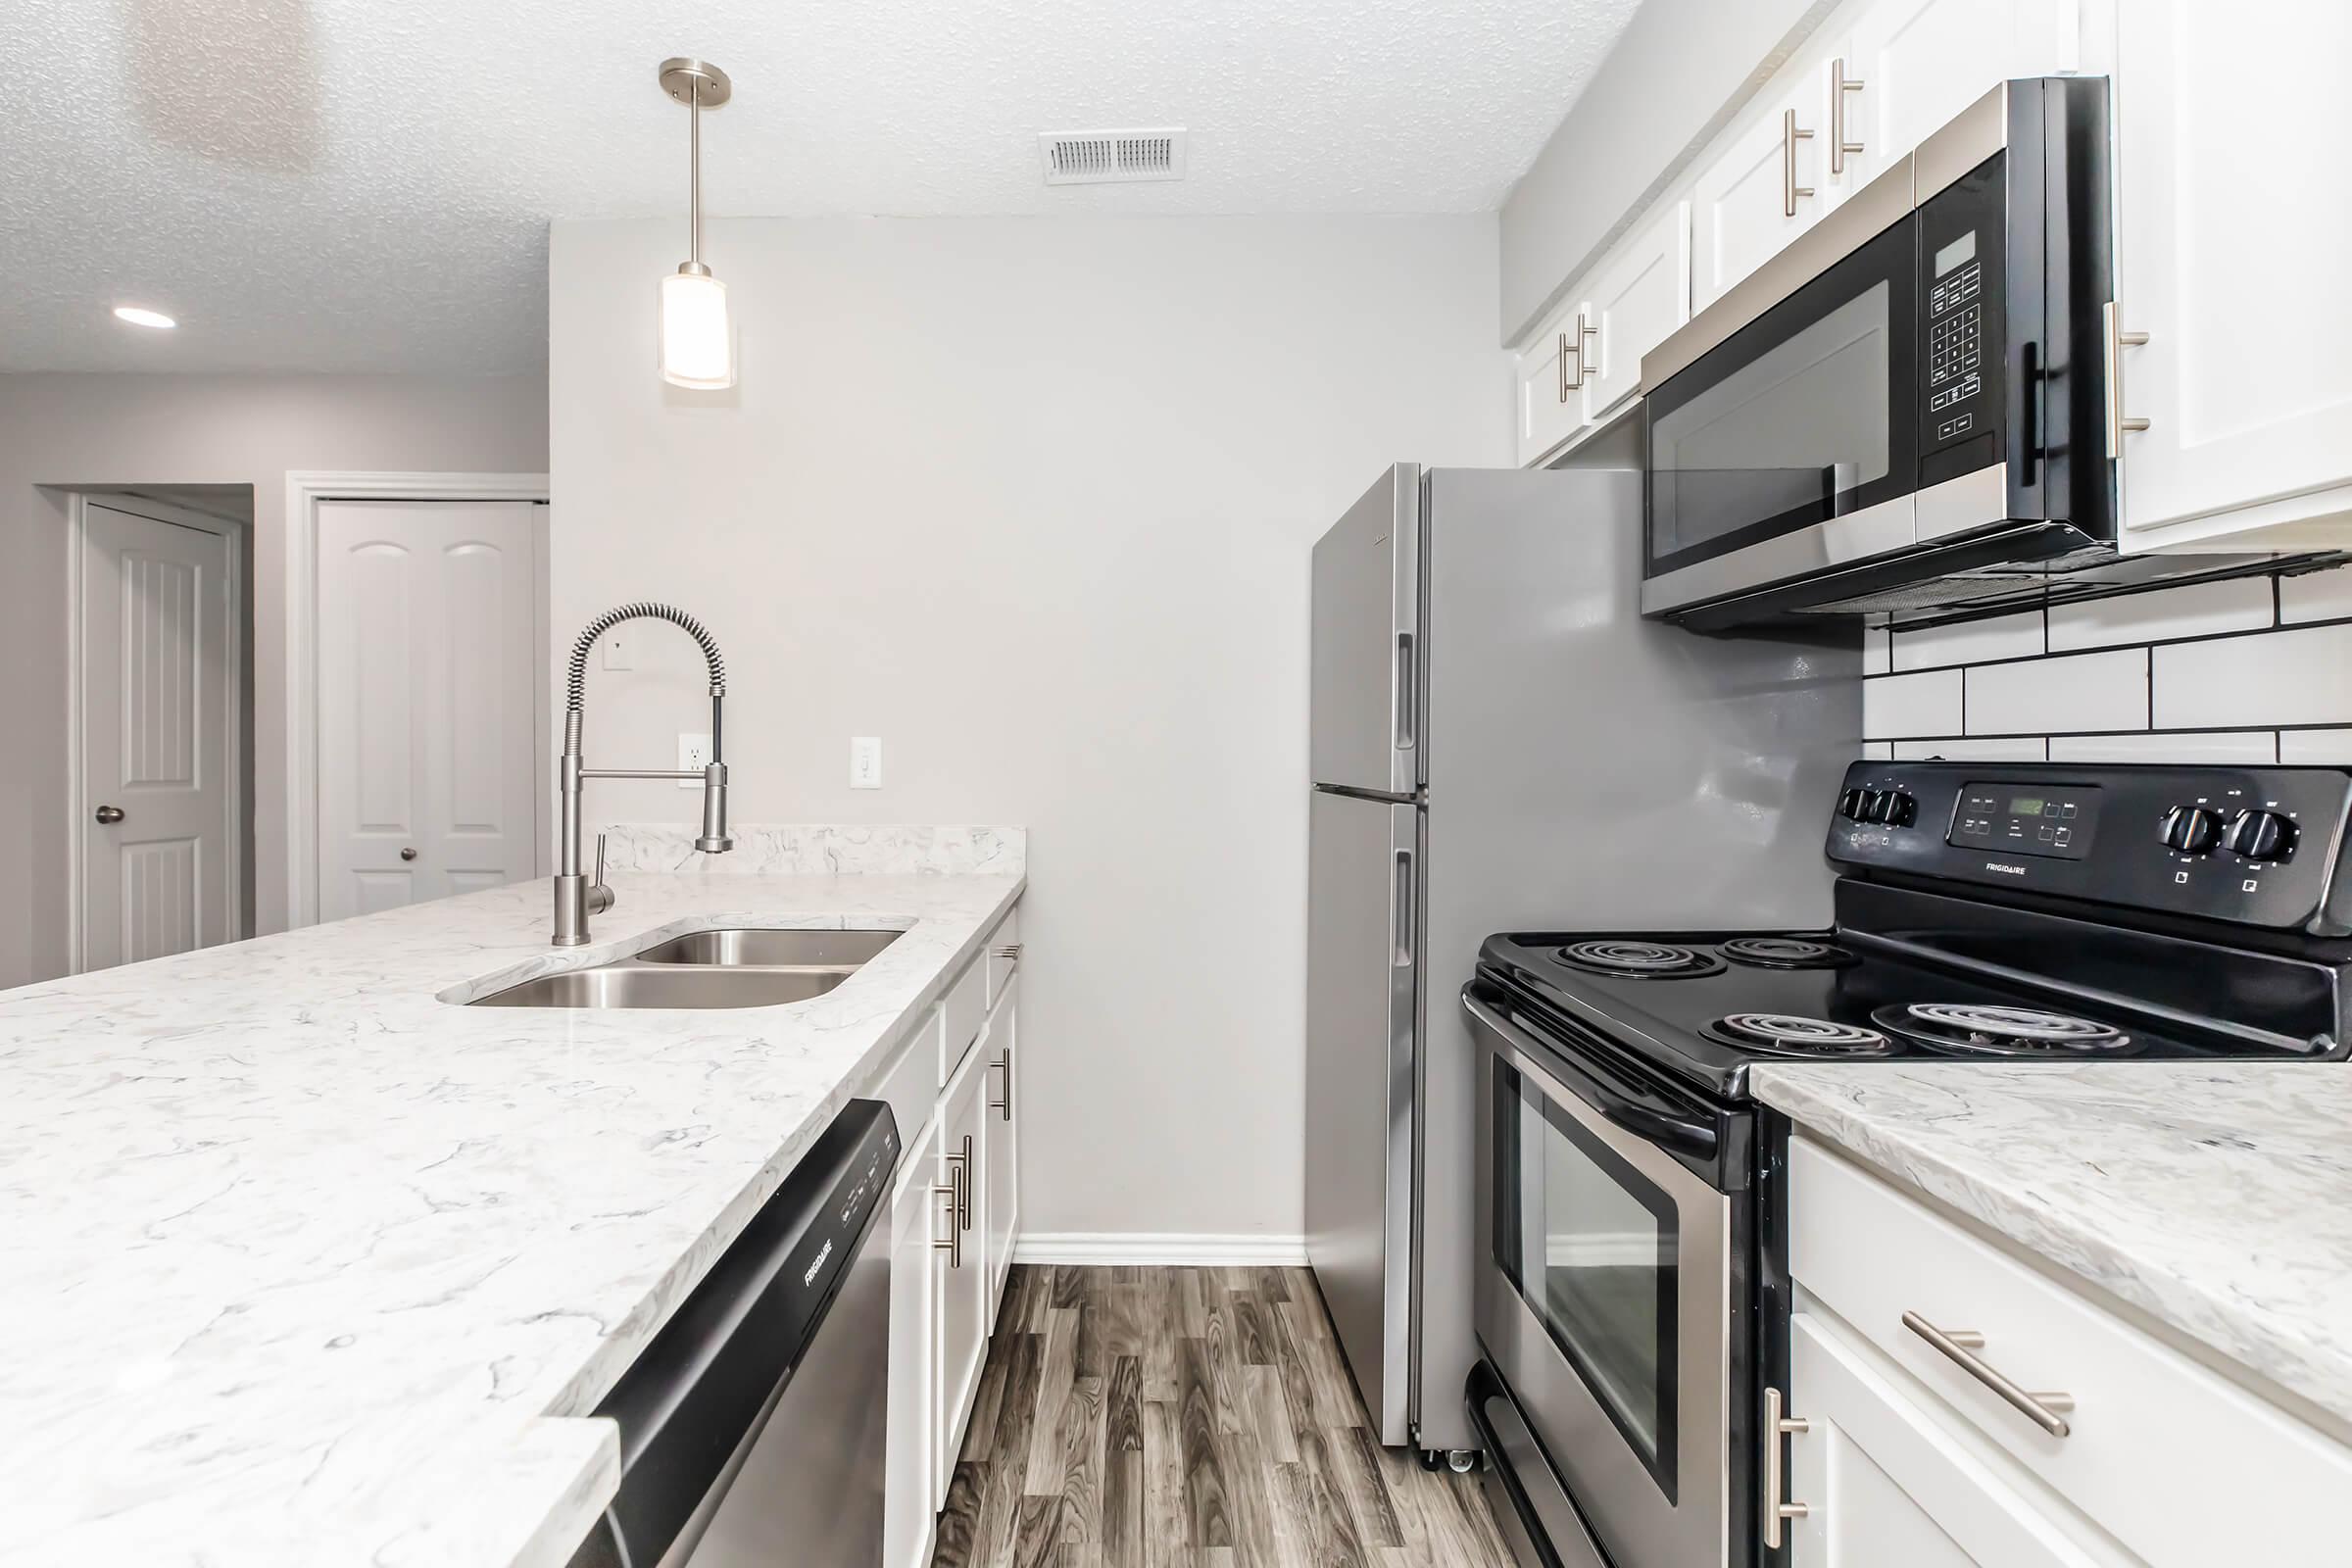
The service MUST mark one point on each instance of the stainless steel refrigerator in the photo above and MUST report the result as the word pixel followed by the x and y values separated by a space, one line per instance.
pixel 1500 742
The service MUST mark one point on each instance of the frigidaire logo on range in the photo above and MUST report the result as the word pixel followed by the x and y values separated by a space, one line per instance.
pixel 817 1261
pixel 2005 870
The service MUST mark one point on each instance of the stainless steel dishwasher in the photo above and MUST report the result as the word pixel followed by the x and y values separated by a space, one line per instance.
pixel 752 1427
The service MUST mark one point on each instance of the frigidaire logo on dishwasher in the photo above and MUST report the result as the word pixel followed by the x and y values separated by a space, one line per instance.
pixel 2004 870
pixel 817 1261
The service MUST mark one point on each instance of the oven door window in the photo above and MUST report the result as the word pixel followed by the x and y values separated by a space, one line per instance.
pixel 1804 415
pixel 1591 1247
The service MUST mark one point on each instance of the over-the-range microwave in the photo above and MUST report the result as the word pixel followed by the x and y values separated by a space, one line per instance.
pixel 1909 408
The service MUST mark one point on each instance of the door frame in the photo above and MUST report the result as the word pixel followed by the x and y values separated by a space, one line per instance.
pixel 306 488
pixel 234 534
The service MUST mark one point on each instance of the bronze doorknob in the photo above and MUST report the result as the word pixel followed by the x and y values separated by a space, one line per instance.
pixel 109 815
pixel 408 854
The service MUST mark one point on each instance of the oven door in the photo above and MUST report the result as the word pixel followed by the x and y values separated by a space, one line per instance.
pixel 1604 1294
pixel 1792 446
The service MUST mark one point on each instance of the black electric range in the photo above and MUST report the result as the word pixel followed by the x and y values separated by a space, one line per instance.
pixel 1984 913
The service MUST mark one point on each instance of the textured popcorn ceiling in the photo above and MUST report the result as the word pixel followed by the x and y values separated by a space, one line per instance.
pixel 366 185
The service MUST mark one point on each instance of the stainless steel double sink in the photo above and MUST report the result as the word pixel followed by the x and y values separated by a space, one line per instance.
pixel 738 967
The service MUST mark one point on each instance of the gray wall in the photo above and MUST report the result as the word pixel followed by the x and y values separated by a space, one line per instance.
pixel 136 430
pixel 1677 74
pixel 1032 500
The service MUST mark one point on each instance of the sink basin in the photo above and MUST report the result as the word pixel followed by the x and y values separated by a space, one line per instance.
pixel 841 949
pixel 633 985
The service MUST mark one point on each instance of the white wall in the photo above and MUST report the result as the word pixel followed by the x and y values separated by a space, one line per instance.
pixel 164 430
pixel 1677 75
pixel 1032 501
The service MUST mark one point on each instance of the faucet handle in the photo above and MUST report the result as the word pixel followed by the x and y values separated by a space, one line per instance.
pixel 600 896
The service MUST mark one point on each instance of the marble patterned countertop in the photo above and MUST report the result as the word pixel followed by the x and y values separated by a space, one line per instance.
pixel 301 1264
pixel 2214 1198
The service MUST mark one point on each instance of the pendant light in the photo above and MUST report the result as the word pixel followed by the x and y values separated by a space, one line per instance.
pixel 698 342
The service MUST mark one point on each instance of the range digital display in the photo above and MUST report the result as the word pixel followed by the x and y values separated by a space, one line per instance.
pixel 2054 821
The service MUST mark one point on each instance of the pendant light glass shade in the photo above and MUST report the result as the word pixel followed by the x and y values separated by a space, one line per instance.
pixel 698 344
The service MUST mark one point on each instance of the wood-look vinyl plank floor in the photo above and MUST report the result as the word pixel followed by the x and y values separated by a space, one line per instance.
pixel 1189 1418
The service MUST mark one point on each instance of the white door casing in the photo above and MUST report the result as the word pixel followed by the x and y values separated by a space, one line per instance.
pixel 154 608
pixel 427 646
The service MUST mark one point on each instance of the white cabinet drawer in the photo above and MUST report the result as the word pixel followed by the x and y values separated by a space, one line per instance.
pixel 910 1085
pixel 2180 1464
pixel 963 1010
pixel 1003 955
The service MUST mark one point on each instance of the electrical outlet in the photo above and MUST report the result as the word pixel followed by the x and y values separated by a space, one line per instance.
pixel 694 751
pixel 617 650
pixel 865 762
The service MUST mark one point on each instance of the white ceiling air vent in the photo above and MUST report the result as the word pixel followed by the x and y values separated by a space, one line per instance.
pixel 1111 157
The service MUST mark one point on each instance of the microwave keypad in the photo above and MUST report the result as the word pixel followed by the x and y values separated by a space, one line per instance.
pixel 1955 349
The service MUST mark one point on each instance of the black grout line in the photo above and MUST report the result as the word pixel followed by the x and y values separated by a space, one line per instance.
pixel 2281 631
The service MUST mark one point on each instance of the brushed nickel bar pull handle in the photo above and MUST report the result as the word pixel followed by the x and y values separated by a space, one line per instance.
pixel 1839 85
pixel 1961 1344
pixel 2117 340
pixel 954 1245
pixel 1790 191
pixel 1584 356
pixel 1011 949
pixel 1004 1108
pixel 963 1211
pixel 1776 1427
pixel 1566 386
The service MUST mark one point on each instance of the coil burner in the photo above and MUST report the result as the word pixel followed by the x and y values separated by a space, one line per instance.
pixel 1784 953
pixel 1777 1034
pixel 1640 960
pixel 1969 1030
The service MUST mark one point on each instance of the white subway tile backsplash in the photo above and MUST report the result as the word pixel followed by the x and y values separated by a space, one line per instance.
pixel 2050 696
pixel 1876 658
pixel 2316 595
pixel 2197 609
pixel 2316 748
pixel 1969 642
pixel 2280 678
pixel 2003 748
pixel 1896 705
pixel 2230 746
pixel 1878 751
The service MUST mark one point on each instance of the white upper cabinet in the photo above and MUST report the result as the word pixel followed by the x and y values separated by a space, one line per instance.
pixel 2233 231
pixel 1634 303
pixel 1904 68
pixel 1762 188
pixel 1585 364
pixel 1551 407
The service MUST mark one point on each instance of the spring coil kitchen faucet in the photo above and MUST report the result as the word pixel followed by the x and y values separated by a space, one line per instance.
pixel 577 896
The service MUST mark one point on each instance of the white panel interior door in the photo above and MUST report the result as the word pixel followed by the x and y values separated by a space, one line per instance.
pixel 427 728
pixel 161 877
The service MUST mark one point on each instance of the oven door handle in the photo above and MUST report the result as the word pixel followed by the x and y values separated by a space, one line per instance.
pixel 1647 1116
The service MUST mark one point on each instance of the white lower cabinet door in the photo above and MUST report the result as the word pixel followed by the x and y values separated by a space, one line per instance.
pixel 918 1218
pixel 2230 121
pixel 1000 1173
pixel 1883 1483
pixel 963 1282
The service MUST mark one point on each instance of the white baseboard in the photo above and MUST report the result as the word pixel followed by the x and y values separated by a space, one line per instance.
pixel 1103 1248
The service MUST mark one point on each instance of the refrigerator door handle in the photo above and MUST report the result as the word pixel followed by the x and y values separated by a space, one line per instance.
pixel 1402 928
pixel 1408 720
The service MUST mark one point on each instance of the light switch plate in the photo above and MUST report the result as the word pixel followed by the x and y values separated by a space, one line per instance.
pixel 694 751
pixel 865 762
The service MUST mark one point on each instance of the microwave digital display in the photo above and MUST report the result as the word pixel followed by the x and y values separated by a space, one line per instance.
pixel 1960 250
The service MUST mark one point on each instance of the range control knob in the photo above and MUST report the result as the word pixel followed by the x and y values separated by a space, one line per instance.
pixel 2260 836
pixel 1849 805
pixel 1901 809
pixel 2193 829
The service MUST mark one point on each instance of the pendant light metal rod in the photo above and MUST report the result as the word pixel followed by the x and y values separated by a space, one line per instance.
pixel 694 176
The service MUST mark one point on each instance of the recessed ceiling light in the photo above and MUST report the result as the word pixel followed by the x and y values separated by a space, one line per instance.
pixel 137 317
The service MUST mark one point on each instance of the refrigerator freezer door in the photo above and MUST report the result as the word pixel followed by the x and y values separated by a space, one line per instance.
pixel 1363 953
pixel 1365 723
